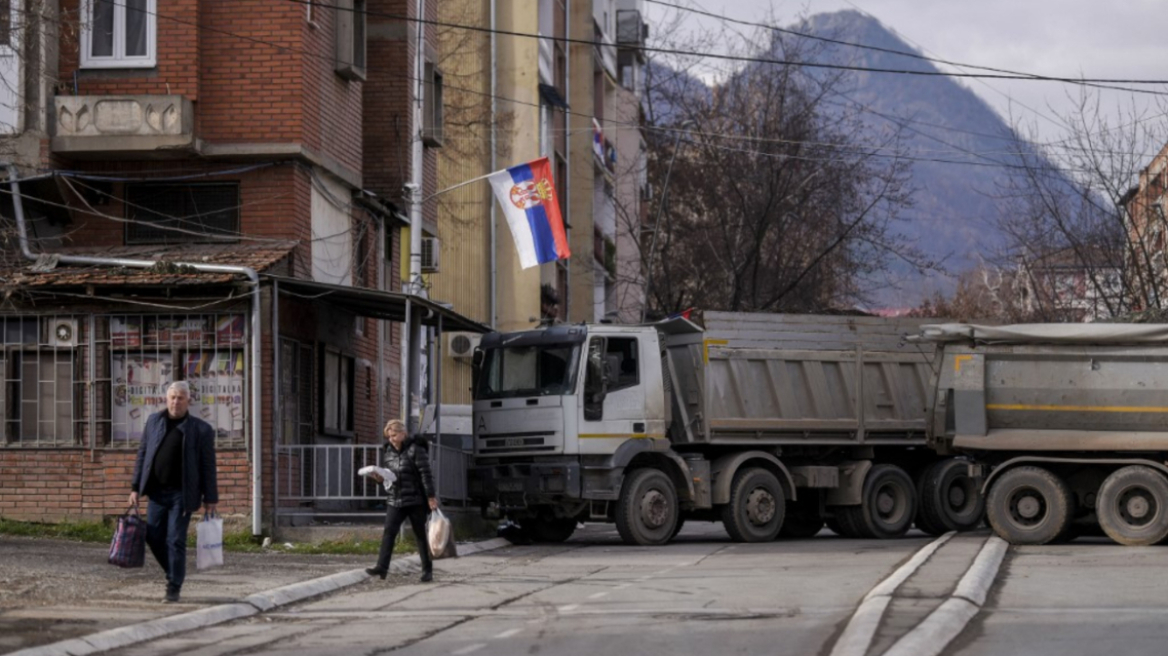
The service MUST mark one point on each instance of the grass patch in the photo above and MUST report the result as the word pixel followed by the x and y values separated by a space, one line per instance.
pixel 75 531
pixel 233 541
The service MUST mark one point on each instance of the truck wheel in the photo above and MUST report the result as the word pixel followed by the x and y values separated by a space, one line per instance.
pixel 756 508
pixel 1133 506
pixel 550 530
pixel 677 527
pixel 949 499
pixel 1029 505
pixel 803 519
pixel 647 511
pixel 889 503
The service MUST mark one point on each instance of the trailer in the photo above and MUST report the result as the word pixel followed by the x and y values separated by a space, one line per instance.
pixel 772 424
pixel 1067 419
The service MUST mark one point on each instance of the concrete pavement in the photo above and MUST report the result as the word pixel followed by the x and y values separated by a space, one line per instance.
pixel 60 597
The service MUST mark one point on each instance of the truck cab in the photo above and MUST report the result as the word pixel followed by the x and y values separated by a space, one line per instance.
pixel 552 407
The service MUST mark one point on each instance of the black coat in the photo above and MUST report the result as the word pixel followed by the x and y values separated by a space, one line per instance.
pixel 414 484
pixel 199 481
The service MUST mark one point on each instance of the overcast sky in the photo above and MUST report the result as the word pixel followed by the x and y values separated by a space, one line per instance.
pixel 1063 38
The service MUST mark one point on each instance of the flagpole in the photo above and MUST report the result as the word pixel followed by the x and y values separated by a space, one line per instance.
pixel 459 185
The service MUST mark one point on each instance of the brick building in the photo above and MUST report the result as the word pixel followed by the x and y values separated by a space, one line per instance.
pixel 208 192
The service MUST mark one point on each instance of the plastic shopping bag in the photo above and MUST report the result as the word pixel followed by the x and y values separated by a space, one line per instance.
pixel 440 535
pixel 209 546
pixel 128 548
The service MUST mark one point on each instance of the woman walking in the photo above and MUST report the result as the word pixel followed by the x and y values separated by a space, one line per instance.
pixel 411 492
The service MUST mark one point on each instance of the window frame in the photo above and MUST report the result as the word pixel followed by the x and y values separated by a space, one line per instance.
pixel 118 59
pixel 433 116
pixel 352 39
pixel 174 236
pixel 346 403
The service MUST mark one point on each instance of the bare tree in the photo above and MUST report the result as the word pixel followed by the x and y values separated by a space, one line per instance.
pixel 1064 206
pixel 777 201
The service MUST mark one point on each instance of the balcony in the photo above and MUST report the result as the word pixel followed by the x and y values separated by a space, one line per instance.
pixel 132 125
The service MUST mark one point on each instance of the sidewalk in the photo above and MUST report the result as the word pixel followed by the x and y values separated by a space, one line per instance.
pixel 53 591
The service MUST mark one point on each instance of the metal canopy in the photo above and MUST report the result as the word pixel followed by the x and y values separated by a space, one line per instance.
pixel 377 304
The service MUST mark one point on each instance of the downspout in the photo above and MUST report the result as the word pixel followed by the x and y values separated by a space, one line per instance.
pixel 257 356
pixel 568 155
pixel 494 292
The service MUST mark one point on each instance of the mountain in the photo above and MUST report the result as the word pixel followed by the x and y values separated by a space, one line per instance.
pixel 962 148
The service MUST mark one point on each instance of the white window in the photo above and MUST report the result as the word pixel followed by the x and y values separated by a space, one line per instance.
pixel 119 33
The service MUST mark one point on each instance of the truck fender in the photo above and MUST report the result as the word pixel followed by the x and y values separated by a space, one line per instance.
pixel 724 468
pixel 1014 462
pixel 630 449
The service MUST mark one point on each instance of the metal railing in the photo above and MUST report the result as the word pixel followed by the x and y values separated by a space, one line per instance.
pixel 322 479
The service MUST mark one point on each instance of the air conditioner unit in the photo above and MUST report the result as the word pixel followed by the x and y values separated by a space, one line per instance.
pixel 430 252
pixel 462 345
pixel 60 333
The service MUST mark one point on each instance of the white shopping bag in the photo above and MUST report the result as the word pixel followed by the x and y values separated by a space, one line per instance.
pixel 209 546
pixel 440 535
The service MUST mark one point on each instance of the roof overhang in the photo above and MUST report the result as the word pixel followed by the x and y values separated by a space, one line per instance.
pixel 376 304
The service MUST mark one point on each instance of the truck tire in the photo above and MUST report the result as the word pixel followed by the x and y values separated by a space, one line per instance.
pixel 647 511
pixel 757 506
pixel 1029 505
pixel 949 499
pixel 558 529
pixel 888 505
pixel 1132 505
pixel 802 519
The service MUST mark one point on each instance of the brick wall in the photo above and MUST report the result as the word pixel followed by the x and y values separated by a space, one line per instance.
pixel 79 484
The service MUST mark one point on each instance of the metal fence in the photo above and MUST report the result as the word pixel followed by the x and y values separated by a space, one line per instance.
pixel 322 479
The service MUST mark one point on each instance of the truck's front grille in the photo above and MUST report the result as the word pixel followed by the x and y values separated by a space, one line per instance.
pixel 510 442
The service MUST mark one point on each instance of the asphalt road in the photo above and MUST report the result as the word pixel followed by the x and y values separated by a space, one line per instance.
pixel 704 594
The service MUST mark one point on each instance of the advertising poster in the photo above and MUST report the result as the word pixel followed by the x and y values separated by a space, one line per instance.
pixel 217 397
pixel 126 332
pixel 139 390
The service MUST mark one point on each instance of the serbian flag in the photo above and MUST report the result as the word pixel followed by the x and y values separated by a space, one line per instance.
pixel 529 202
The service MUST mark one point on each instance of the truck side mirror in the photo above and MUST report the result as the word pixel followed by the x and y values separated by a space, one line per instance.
pixel 476 368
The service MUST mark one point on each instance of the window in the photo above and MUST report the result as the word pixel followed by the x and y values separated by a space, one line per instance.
pixel 148 352
pixel 162 213
pixel 620 355
pixel 350 18
pixel 119 33
pixel 38 365
pixel 336 384
pixel 5 23
pixel 295 393
pixel 432 118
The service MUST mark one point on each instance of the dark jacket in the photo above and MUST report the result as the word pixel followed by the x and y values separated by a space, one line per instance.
pixel 414 484
pixel 200 483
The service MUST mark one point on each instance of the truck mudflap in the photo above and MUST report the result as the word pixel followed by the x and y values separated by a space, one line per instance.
pixel 524 484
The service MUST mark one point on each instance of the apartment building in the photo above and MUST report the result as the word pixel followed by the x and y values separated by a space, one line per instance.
pixel 212 192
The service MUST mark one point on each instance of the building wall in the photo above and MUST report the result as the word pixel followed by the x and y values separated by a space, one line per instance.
pixel 79 484
pixel 464 214
pixel 629 288
pixel 582 98
pixel 518 80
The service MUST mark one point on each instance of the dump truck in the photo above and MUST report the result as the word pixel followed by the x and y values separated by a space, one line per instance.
pixel 1065 423
pixel 773 424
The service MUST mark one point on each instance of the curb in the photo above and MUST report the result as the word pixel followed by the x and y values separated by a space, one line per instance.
pixel 864 623
pixel 932 635
pixel 255 604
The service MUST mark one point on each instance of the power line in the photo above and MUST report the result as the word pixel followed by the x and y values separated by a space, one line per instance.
pixel 902 53
pixel 757 60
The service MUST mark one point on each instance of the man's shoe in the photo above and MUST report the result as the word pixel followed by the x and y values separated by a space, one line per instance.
pixel 373 571
pixel 172 595
pixel 427 577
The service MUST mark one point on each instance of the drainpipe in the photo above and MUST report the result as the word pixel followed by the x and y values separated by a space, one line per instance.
pixel 494 246
pixel 257 356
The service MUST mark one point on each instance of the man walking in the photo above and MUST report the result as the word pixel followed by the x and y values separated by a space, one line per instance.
pixel 176 469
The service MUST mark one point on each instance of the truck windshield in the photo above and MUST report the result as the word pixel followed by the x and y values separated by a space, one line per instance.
pixel 544 370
